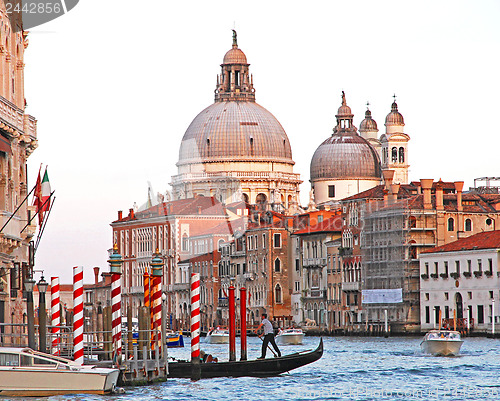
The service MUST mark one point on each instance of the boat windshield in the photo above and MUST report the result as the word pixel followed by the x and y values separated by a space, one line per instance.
pixel 9 360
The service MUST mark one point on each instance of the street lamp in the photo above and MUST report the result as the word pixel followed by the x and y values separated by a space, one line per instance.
pixel 29 285
pixel 42 315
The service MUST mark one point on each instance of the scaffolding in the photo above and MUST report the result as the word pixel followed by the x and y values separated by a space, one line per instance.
pixel 387 260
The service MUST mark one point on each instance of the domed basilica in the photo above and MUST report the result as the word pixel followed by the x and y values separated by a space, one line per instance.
pixel 235 149
pixel 349 162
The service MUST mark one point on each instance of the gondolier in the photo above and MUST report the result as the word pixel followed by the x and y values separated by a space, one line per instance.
pixel 268 336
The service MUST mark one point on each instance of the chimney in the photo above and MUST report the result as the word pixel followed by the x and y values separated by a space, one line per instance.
pixel 131 213
pixel 459 185
pixel 427 188
pixel 394 193
pixel 96 272
pixel 386 197
pixel 439 195
pixel 388 177
pixel 199 209
pixel 120 214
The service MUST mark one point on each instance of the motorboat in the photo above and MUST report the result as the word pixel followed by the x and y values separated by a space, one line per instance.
pixel 291 336
pixel 442 343
pixel 174 339
pixel 254 368
pixel 218 336
pixel 24 372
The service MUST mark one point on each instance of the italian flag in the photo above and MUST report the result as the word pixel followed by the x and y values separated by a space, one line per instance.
pixel 45 192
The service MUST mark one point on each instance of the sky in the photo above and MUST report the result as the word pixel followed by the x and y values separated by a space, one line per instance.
pixel 114 85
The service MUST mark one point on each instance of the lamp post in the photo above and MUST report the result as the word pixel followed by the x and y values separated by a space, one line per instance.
pixel 29 285
pixel 42 315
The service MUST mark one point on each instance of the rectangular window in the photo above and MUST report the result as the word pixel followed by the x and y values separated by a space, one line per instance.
pixel 436 314
pixel 479 265
pixel 469 294
pixel 297 265
pixel 427 314
pixel 446 312
pixel 426 296
pixel 277 240
pixel 297 286
pixel 436 268
pixel 480 314
pixel 490 266
pixel 446 268
pixel 427 268
pixel 331 191
pixel 491 294
pixel 446 296
pixel 263 241
pixel 469 266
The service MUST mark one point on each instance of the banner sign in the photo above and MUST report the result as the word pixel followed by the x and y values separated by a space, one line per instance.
pixel 392 296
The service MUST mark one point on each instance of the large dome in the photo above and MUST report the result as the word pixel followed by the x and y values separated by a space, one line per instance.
pixel 345 157
pixel 236 131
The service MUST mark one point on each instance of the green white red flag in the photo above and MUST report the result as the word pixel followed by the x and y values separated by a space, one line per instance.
pixel 42 195
pixel 45 192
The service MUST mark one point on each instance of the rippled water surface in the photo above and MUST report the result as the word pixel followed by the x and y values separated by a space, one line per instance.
pixel 352 368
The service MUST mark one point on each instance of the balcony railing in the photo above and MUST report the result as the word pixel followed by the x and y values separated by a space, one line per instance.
pixel 350 286
pixel 315 293
pixel 313 262
pixel 181 287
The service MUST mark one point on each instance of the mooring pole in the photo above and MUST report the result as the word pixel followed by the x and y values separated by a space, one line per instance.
pixel 115 267
pixel 386 324
pixel 243 322
pixel 195 327
pixel 232 325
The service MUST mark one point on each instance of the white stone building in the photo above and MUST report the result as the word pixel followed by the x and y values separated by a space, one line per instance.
pixel 462 278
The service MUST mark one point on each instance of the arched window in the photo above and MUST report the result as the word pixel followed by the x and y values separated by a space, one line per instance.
pixel 468 225
pixel 277 293
pixel 394 155
pixel 413 222
pixel 277 265
pixel 401 155
pixel 185 242
pixel 261 198
pixel 451 224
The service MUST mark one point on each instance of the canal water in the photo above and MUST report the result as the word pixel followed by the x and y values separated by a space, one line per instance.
pixel 352 368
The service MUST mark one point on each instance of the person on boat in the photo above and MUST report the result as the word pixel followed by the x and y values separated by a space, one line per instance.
pixel 268 336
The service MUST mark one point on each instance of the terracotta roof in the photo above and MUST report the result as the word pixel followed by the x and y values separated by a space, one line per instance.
pixel 332 224
pixel 484 240
pixel 201 205
pixel 225 228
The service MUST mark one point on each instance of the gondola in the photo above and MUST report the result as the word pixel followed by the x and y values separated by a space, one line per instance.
pixel 256 368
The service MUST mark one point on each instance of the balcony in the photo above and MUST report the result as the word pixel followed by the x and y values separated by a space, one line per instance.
pixel 444 275
pixel 424 276
pixel 314 262
pixel 250 276
pixel 315 293
pixel 488 273
pixel 478 273
pixel 181 287
pixel 223 302
pixel 434 275
pixel 350 286
pixel 455 275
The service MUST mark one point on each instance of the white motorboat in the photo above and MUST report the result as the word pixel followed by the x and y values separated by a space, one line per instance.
pixel 442 343
pixel 218 336
pixel 290 336
pixel 24 372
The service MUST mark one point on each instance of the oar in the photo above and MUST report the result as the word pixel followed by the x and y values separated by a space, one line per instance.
pixel 270 349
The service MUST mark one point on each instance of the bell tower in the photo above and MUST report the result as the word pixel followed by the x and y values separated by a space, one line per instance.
pixel 234 83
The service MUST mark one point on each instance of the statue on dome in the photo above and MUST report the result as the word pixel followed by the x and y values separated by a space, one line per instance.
pixel 235 40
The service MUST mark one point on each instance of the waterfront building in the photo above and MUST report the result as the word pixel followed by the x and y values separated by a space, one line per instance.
pixel 18 139
pixel 235 149
pixel 394 223
pixel 167 227
pixel 312 232
pixel 461 279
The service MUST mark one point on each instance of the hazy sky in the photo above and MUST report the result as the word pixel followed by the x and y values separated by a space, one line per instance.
pixel 114 84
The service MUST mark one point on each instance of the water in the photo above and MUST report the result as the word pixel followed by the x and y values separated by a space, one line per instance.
pixel 352 368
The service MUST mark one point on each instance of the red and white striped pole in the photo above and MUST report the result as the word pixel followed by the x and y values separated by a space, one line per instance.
pixel 78 314
pixel 195 326
pixel 115 263
pixel 56 314
pixel 157 269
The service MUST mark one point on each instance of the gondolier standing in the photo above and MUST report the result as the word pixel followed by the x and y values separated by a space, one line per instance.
pixel 268 336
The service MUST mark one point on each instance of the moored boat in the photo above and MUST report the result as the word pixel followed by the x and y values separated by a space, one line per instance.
pixel 442 343
pixel 174 339
pixel 255 368
pixel 218 336
pixel 290 336
pixel 24 372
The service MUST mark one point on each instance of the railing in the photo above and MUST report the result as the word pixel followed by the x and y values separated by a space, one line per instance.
pixel 181 286
pixel 13 228
pixel 307 262
pixel 235 174
pixel 11 114
pixel 350 286
pixel 315 293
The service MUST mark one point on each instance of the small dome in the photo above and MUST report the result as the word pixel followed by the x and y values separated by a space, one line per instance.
pixel 345 157
pixel 344 109
pixel 368 124
pixel 235 56
pixel 394 117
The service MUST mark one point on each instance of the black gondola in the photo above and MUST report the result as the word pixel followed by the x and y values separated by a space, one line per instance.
pixel 256 368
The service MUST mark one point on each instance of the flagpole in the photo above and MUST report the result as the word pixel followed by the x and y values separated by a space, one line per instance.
pixel 30 220
pixel 15 211
pixel 42 229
